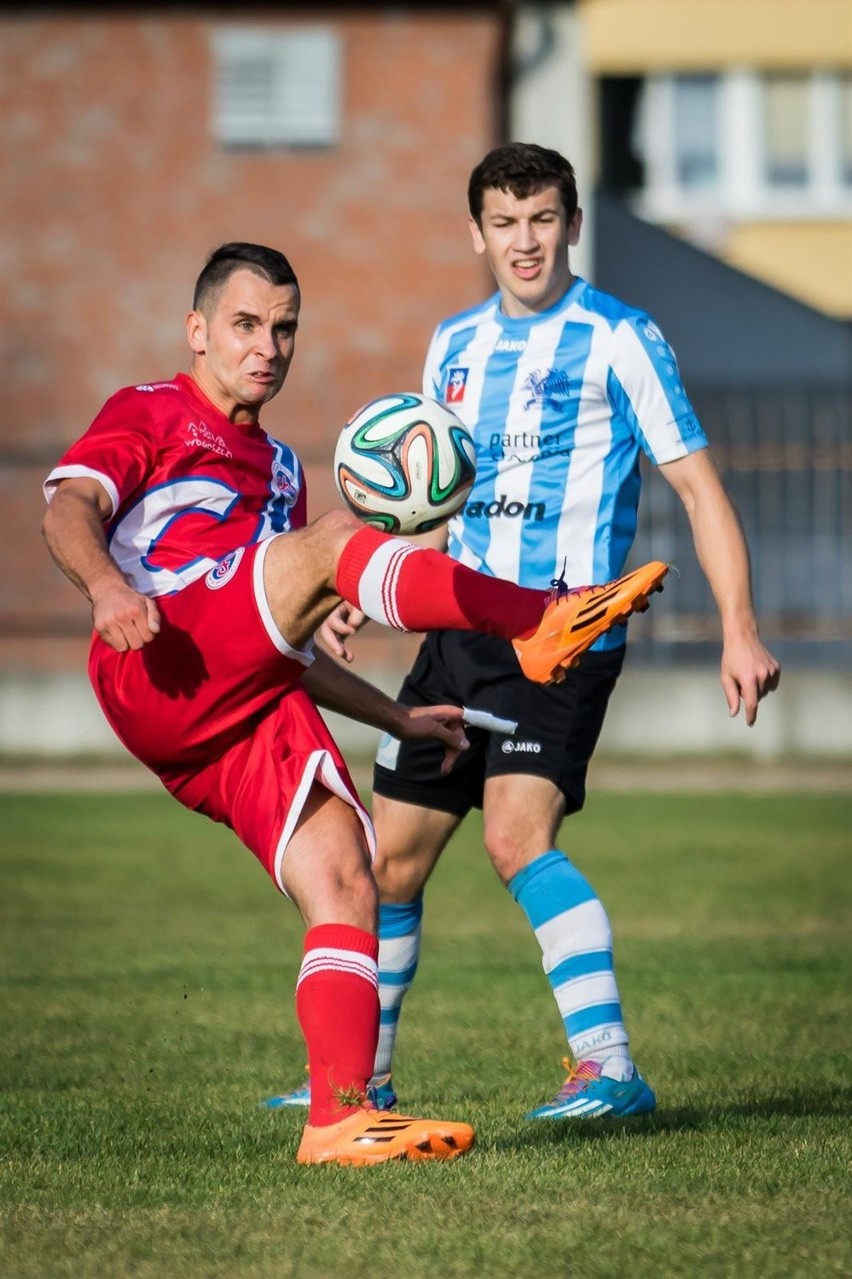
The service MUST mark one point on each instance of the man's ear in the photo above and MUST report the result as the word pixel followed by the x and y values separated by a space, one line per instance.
pixel 196 332
pixel 574 229
pixel 476 236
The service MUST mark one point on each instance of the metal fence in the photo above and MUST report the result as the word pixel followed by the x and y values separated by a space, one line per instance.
pixel 786 460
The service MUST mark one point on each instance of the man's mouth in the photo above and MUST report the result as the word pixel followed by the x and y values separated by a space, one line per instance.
pixel 526 267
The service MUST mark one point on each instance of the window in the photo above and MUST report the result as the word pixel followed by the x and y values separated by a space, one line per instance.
pixel 786 128
pixel 845 130
pixel 696 143
pixel 276 87
pixel 745 144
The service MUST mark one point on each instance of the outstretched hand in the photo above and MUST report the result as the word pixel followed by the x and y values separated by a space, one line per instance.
pixel 749 673
pixel 444 723
pixel 345 621
pixel 123 618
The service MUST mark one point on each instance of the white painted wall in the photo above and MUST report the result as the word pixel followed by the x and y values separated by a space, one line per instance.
pixel 551 101
pixel 652 713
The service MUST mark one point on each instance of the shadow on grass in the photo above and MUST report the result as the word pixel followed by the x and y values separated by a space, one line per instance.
pixel 823 1103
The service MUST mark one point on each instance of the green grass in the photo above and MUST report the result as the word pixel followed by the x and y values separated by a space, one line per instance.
pixel 146 1004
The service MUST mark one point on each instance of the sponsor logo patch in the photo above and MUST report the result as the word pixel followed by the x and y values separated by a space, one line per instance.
pixel 456 383
pixel 224 570
pixel 199 436
pixel 549 387
pixel 510 747
pixel 284 483
pixel 158 386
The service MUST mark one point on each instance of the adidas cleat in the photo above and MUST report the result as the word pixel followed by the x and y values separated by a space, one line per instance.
pixel 576 616
pixel 590 1093
pixel 374 1136
pixel 379 1092
pixel 300 1096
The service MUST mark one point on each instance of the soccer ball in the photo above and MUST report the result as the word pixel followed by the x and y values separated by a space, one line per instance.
pixel 404 463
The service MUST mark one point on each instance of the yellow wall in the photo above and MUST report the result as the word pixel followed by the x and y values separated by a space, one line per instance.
pixel 810 260
pixel 634 36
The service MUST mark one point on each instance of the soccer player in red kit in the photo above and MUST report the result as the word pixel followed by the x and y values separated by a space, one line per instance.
pixel 185 526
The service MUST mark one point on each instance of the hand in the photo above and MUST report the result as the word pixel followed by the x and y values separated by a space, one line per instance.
pixel 749 672
pixel 444 723
pixel 123 617
pixel 346 620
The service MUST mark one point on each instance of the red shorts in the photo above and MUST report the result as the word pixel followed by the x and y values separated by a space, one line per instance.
pixel 214 706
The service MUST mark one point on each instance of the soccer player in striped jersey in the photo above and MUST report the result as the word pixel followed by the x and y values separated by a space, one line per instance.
pixel 185 526
pixel 563 388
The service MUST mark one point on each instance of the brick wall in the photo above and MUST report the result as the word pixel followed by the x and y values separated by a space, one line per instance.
pixel 115 191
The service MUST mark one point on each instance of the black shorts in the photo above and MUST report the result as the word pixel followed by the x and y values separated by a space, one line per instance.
pixel 558 724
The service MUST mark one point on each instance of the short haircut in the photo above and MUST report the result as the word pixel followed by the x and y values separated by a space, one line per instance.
pixel 237 256
pixel 522 168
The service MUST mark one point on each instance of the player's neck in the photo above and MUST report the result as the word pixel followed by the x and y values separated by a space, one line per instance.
pixel 236 413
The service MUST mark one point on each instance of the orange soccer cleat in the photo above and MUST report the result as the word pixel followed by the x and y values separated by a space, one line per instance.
pixel 374 1136
pixel 578 615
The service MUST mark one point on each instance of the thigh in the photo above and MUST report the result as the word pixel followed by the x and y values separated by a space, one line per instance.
pixel 410 771
pixel 261 784
pixel 558 724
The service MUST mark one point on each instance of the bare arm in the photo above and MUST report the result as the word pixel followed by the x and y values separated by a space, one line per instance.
pixel 73 530
pixel 749 671
pixel 335 688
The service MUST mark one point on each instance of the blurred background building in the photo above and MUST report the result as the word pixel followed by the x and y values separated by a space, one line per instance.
pixel 713 145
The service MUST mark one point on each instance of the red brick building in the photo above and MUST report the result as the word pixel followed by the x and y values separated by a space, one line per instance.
pixel 134 143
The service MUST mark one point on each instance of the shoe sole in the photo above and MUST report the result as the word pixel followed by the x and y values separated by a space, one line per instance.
pixel 429 1148
pixel 639 604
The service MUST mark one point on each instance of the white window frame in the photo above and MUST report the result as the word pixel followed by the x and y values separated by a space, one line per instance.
pixel 742 191
pixel 300 104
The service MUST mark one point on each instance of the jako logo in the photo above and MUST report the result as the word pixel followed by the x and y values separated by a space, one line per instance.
pixel 522 748
pixel 501 507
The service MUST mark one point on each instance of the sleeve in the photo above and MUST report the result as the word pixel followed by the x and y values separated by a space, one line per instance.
pixel 118 449
pixel 432 369
pixel 646 390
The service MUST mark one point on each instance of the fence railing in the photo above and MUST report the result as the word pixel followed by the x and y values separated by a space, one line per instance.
pixel 786 460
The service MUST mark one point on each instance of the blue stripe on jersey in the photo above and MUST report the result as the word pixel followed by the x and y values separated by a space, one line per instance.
pixel 560 405
pixel 278 509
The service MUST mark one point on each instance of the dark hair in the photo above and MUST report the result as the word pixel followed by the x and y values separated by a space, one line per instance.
pixel 237 256
pixel 521 168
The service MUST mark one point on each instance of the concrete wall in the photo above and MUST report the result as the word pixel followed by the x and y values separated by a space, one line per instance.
pixel 653 713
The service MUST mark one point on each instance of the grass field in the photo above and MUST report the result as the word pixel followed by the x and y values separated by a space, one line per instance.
pixel 147 1005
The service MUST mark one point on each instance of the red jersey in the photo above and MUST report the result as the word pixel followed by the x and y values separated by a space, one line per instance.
pixel 187 485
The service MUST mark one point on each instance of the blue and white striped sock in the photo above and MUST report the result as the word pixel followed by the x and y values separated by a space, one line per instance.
pixel 399 951
pixel 574 933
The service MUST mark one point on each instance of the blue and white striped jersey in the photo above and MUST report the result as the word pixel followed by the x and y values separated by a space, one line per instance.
pixel 559 404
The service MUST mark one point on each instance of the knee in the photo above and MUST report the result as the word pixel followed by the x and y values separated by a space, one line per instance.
pixel 509 852
pixel 399 877
pixel 337 527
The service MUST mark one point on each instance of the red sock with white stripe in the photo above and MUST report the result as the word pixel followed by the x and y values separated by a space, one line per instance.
pixel 337 1004
pixel 415 588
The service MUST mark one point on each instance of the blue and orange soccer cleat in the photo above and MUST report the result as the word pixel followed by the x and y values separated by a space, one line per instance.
pixel 374 1136
pixel 589 1092
pixel 380 1093
pixel 576 616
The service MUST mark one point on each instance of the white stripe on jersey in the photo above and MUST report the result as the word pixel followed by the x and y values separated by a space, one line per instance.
pixel 560 405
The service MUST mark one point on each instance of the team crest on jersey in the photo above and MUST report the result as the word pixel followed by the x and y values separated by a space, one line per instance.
pixel 550 388
pixel 284 483
pixel 456 383
pixel 224 570
pixel 199 436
